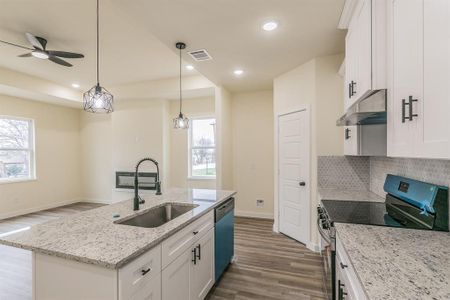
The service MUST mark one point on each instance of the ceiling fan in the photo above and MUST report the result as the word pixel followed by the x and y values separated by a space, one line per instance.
pixel 39 51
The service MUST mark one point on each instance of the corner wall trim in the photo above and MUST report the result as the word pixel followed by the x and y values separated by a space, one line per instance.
pixel 251 214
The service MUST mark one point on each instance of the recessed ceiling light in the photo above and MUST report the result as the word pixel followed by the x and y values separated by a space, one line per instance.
pixel 238 72
pixel 75 85
pixel 269 26
pixel 190 67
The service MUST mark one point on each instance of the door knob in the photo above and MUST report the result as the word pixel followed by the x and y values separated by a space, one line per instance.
pixel 302 183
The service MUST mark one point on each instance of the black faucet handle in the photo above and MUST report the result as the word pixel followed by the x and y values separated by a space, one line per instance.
pixel 141 201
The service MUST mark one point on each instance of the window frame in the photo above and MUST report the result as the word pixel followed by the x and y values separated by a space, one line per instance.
pixel 190 148
pixel 31 149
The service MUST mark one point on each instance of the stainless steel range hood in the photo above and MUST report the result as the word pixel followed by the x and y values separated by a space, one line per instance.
pixel 367 111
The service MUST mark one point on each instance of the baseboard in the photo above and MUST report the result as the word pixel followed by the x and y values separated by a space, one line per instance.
pixel 38 208
pixel 313 247
pixel 250 214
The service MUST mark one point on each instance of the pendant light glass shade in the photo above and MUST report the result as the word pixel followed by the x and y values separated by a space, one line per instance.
pixel 181 122
pixel 98 99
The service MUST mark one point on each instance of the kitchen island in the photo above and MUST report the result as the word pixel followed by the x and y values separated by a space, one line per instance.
pixel 90 256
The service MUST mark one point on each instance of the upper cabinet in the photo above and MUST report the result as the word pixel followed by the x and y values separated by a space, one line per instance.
pixel 418 60
pixel 365 47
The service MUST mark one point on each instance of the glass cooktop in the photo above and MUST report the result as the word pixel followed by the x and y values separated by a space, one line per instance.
pixel 359 212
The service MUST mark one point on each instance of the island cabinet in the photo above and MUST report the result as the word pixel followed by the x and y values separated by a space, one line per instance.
pixel 348 286
pixel 188 262
pixel 179 268
pixel 418 78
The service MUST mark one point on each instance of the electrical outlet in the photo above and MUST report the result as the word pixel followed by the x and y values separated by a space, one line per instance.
pixel 259 202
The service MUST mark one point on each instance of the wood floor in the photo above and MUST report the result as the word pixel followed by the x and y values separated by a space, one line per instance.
pixel 15 264
pixel 269 266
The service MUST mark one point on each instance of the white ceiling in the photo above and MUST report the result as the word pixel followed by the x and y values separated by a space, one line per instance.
pixel 138 37
pixel 231 32
pixel 129 53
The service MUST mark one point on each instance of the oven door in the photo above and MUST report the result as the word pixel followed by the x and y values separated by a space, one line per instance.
pixel 327 251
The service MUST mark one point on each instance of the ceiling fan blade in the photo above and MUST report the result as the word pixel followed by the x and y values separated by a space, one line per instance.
pixel 59 61
pixel 65 54
pixel 34 41
pixel 12 44
pixel 25 55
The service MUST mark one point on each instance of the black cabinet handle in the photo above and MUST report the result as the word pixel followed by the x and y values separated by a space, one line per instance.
pixel 411 115
pixel 199 254
pixel 347 133
pixel 353 90
pixel 146 271
pixel 343 266
pixel 194 258
pixel 349 90
pixel 195 232
pixel 302 183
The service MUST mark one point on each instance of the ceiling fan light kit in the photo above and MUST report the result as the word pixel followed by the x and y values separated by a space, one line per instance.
pixel 98 99
pixel 181 122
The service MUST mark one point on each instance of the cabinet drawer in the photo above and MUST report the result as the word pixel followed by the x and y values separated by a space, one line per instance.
pixel 183 240
pixel 137 276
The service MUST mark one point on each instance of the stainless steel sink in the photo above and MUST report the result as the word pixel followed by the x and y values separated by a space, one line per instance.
pixel 159 215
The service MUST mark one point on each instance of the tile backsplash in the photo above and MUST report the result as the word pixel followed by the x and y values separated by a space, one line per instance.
pixel 343 172
pixel 369 173
pixel 428 170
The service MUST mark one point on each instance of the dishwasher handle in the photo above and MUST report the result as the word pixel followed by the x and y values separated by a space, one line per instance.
pixel 224 209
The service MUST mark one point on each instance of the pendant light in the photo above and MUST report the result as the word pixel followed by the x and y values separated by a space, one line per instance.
pixel 181 122
pixel 98 99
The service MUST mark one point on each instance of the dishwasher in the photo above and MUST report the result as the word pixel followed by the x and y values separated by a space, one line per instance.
pixel 223 236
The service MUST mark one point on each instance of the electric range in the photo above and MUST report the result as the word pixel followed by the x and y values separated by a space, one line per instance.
pixel 409 204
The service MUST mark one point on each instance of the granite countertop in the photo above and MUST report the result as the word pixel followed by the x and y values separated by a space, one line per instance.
pixel 398 263
pixel 93 237
pixel 348 195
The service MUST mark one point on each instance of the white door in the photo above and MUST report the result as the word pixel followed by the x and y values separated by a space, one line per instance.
pixel 175 278
pixel 405 82
pixel 293 176
pixel 433 136
pixel 202 271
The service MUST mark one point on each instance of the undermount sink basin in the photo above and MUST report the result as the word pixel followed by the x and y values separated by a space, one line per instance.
pixel 159 215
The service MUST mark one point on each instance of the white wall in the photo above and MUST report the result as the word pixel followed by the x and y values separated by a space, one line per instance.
pixel 316 85
pixel 58 171
pixel 224 140
pixel 195 107
pixel 252 132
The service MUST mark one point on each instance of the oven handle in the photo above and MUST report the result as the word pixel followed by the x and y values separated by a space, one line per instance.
pixel 321 231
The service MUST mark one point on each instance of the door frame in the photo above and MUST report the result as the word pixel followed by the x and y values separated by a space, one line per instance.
pixel 307 110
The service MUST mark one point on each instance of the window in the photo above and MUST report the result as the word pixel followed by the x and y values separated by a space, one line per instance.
pixel 16 149
pixel 202 148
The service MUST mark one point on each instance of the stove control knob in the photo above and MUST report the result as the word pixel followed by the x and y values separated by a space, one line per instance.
pixel 320 210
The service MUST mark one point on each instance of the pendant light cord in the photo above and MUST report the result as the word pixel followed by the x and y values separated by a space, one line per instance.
pixel 98 76
pixel 181 97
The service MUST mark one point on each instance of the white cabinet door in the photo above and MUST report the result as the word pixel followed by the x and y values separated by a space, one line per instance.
pixel 364 48
pixel 176 278
pixel 405 73
pixel 351 67
pixel 433 134
pixel 419 78
pixel 351 140
pixel 202 271
pixel 151 292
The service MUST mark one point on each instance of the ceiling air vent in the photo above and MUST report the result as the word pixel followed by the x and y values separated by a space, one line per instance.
pixel 200 55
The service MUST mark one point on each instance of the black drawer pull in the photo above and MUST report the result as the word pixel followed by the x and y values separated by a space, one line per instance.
pixel 195 232
pixel 146 271
pixel 343 266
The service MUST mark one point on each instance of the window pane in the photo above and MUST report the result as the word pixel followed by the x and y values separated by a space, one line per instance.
pixel 203 132
pixel 14 134
pixel 14 164
pixel 203 162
